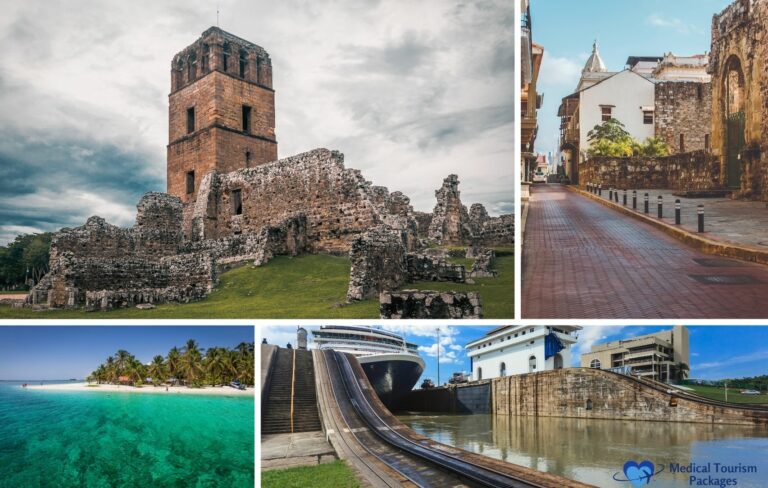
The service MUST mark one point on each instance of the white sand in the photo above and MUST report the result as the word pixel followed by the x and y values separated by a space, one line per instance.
pixel 172 390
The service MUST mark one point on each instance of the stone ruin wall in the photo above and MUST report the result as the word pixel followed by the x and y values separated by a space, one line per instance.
pixel 338 203
pixel 566 392
pixel 101 266
pixel 451 224
pixel 690 171
pixel 681 108
pixel 428 304
pixel 740 34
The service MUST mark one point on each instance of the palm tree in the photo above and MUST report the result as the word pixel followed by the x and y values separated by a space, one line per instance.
pixel 111 371
pixel 191 361
pixel 174 363
pixel 157 370
pixel 122 360
pixel 244 362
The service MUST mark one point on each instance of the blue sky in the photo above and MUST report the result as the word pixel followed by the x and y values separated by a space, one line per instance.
pixel 716 351
pixel 567 29
pixel 49 353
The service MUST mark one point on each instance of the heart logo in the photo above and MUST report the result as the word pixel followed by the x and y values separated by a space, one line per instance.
pixel 639 474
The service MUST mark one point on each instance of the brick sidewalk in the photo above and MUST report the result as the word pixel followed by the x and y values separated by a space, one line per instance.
pixel 738 222
pixel 584 260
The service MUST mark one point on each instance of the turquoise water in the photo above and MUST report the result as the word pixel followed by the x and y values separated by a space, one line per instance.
pixel 99 439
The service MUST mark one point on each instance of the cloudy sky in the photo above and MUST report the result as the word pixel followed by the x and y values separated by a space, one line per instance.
pixel 409 91
pixel 717 352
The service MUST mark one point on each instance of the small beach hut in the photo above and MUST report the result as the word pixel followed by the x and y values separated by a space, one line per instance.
pixel 124 379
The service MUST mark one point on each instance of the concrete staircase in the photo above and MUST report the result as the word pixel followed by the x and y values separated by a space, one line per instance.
pixel 276 409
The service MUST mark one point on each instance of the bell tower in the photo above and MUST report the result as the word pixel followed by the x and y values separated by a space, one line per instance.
pixel 221 110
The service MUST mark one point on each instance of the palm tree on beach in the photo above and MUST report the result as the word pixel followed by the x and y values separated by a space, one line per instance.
pixel 157 370
pixel 111 371
pixel 174 363
pixel 122 360
pixel 191 361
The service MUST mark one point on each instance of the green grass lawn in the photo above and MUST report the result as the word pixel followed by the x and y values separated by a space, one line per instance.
pixel 331 475
pixel 311 286
pixel 734 396
pixel 14 292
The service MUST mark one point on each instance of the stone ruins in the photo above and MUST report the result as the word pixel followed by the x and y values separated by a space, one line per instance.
pixel 230 201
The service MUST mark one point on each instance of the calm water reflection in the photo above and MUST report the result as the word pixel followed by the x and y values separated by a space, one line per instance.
pixel 593 450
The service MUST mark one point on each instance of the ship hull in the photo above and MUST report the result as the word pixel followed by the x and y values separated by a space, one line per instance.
pixel 392 375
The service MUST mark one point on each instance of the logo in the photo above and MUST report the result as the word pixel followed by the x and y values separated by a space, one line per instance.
pixel 639 474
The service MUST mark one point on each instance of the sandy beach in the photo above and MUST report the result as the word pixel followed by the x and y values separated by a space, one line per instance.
pixel 173 390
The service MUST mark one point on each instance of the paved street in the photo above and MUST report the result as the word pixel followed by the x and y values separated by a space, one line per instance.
pixel 584 260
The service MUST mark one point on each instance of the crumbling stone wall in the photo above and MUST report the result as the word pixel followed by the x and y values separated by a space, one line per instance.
pixel 451 224
pixel 424 267
pixel 690 171
pixel 428 304
pixel 483 265
pixel 378 263
pixel 101 266
pixel 338 203
pixel 423 221
pixel 450 219
pixel 739 67
pixel 593 393
pixel 683 108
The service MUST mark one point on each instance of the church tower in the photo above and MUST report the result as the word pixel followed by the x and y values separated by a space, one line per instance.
pixel 221 110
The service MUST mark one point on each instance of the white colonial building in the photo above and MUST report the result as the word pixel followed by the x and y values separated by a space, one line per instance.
pixel 516 349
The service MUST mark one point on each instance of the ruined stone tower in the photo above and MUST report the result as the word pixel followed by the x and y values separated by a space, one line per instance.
pixel 221 110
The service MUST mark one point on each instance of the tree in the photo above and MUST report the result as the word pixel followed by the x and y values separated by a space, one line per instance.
pixel 157 370
pixel 174 363
pixel 611 139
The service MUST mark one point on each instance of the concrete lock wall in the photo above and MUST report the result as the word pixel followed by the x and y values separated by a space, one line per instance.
pixel 466 399
pixel 593 393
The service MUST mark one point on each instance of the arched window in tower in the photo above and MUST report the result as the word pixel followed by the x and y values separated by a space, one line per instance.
pixel 247 159
pixel 225 57
pixel 243 62
pixel 179 74
pixel 191 68
pixel 204 65
pixel 503 369
pixel 595 363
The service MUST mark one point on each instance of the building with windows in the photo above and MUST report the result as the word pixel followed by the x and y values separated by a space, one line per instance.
pixel 654 96
pixel 516 349
pixel 530 99
pixel 662 356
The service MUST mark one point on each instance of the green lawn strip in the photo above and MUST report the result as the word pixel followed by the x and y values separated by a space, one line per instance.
pixel 330 475
pixel 496 294
pixel 14 292
pixel 310 286
pixel 734 396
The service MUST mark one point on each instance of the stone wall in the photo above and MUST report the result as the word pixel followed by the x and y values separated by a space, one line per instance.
pixel 682 109
pixel 378 263
pixel 428 304
pixel 690 171
pixel 593 393
pixel 339 204
pixel 423 267
pixel 739 67
pixel 483 265
pixel 451 224
pixel 101 266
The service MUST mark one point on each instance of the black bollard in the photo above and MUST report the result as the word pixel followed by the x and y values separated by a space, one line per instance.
pixel 634 199
pixel 624 197
pixel 646 202
pixel 610 194
pixel 660 203
pixel 599 190
pixel 616 196
pixel 677 212
pixel 700 212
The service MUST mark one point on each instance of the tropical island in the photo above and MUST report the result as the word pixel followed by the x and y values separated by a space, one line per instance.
pixel 189 369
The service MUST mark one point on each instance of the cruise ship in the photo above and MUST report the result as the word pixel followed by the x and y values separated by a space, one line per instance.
pixel 392 364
